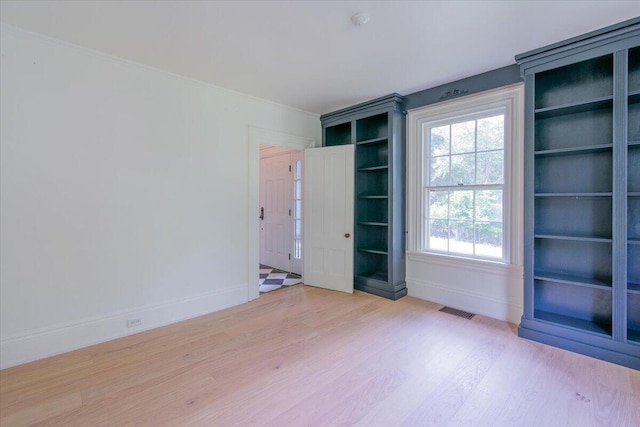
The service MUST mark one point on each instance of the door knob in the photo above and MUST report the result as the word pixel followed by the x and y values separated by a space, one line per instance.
pixel 347 235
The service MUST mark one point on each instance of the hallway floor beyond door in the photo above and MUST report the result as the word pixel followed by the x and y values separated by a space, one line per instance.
pixel 272 279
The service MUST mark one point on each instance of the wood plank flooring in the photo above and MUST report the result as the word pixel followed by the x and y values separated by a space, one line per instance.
pixel 303 356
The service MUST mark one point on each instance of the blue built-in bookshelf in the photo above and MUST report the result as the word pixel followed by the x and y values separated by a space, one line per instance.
pixel 582 194
pixel 376 128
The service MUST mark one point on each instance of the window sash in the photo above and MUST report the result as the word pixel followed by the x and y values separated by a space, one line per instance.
pixel 478 250
pixel 427 240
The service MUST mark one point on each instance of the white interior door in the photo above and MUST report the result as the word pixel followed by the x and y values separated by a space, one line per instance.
pixel 275 211
pixel 328 217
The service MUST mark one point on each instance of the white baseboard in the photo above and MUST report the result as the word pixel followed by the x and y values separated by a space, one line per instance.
pixel 485 305
pixel 61 338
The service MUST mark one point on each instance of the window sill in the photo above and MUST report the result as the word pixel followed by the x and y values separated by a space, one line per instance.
pixel 452 261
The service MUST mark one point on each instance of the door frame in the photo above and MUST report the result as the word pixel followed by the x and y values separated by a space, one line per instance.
pixel 256 137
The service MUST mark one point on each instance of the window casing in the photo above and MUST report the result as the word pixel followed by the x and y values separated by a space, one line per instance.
pixel 464 177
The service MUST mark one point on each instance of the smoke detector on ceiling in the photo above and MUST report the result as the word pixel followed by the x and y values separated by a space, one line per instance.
pixel 360 18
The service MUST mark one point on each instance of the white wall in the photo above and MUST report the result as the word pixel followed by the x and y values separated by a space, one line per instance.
pixel 125 193
pixel 492 290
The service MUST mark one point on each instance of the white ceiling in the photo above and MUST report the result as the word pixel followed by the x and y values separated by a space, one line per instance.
pixel 308 54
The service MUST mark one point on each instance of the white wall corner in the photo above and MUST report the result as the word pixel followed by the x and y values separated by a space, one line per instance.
pixel 113 205
pixel 57 339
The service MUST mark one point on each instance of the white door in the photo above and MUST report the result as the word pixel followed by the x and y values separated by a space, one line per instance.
pixel 328 217
pixel 275 211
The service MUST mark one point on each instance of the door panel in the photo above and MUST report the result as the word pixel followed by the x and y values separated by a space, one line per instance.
pixel 275 227
pixel 328 217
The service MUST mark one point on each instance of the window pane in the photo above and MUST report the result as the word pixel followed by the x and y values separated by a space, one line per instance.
pixel 298 229
pixel 439 171
pixel 297 250
pixel 489 205
pixel 461 205
pixel 489 239
pixel 463 137
pixel 439 141
pixel 463 169
pixel 491 133
pixel 438 204
pixel 298 190
pixel 438 235
pixel 298 169
pixel 298 208
pixel 461 237
pixel 490 167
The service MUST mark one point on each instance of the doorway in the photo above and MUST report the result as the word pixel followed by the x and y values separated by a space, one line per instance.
pixel 258 137
pixel 280 212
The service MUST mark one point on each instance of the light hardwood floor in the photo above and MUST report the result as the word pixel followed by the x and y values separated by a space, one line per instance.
pixel 302 356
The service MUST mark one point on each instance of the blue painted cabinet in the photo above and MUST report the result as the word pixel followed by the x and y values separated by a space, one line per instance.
pixel 582 194
pixel 377 130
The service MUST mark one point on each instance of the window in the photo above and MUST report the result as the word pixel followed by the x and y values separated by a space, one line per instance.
pixel 297 209
pixel 465 177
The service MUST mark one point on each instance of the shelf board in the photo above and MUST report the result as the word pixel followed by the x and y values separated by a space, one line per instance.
pixel 572 280
pixel 573 322
pixel 634 143
pixel 375 275
pixel 633 241
pixel 377 224
pixel 573 194
pixel 634 96
pixel 574 238
pixel 633 288
pixel 574 150
pixel 373 196
pixel 379 251
pixel 374 168
pixel 633 194
pixel 574 107
pixel 373 141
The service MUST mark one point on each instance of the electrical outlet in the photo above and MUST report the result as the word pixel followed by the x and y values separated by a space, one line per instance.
pixel 132 323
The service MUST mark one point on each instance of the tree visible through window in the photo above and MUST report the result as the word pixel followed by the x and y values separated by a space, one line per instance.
pixel 464 185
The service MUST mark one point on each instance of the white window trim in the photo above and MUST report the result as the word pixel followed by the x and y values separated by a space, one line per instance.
pixel 512 99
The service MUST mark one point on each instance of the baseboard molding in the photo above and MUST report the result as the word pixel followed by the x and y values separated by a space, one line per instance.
pixel 619 353
pixel 485 305
pixel 61 338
